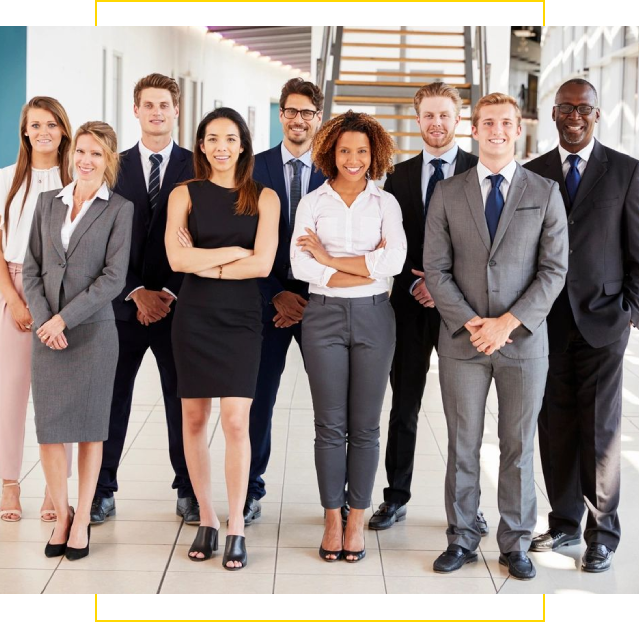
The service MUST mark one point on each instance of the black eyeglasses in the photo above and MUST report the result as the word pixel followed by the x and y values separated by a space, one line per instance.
pixel 291 113
pixel 582 109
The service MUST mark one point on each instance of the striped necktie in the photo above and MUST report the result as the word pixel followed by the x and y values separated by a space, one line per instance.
pixel 154 179
pixel 296 189
pixel 438 175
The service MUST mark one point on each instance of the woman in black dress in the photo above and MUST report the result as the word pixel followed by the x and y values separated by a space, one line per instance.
pixel 222 232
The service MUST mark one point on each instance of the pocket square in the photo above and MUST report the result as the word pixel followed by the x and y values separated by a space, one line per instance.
pixel 521 209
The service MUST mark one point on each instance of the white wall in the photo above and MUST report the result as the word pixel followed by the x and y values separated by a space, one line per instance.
pixel 67 64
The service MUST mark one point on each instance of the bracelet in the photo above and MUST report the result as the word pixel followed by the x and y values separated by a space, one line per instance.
pixel 219 276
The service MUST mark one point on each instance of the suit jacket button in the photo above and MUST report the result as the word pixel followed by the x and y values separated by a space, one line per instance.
pixel 492 262
pixel 570 252
pixel 571 222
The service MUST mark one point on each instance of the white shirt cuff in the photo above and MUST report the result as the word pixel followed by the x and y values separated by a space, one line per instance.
pixel 168 291
pixel 412 287
pixel 132 291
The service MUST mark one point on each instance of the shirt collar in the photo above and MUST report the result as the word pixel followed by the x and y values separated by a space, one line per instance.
pixel 66 194
pixel 507 172
pixel 584 154
pixel 287 156
pixel 371 188
pixel 448 157
pixel 146 153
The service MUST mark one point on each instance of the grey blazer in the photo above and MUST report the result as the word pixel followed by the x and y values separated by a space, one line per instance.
pixel 523 270
pixel 92 271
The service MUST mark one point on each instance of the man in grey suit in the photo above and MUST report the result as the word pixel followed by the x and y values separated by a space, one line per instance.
pixel 495 259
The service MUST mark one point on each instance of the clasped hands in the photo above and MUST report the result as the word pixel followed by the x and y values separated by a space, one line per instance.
pixel 51 335
pixel 490 334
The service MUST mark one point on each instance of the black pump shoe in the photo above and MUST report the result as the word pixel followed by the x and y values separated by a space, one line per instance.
pixel 324 554
pixel 58 550
pixel 205 542
pixel 75 554
pixel 235 551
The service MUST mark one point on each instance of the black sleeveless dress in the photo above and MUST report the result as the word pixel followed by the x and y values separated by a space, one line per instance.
pixel 217 328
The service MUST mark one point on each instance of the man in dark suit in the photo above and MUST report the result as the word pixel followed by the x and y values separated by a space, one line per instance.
pixel 438 107
pixel 287 169
pixel 148 173
pixel 588 328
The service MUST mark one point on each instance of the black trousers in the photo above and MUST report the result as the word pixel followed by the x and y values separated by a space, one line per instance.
pixel 417 330
pixel 580 438
pixel 135 339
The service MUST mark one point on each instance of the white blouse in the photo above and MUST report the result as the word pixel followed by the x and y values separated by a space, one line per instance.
pixel 14 245
pixel 350 232
pixel 66 194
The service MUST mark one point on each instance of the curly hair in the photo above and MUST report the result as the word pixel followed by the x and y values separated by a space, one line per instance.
pixel 382 145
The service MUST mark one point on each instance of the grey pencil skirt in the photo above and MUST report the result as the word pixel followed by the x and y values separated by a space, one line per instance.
pixel 72 388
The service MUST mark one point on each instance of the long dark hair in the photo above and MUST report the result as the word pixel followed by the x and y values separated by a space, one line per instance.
pixel 247 195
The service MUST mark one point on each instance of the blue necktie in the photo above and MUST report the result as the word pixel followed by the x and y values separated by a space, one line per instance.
pixel 438 175
pixel 154 179
pixel 494 205
pixel 573 177
pixel 296 189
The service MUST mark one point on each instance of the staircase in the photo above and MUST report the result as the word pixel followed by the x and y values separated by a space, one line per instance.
pixel 378 71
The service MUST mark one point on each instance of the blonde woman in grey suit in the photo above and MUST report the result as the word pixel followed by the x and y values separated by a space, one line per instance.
pixel 75 266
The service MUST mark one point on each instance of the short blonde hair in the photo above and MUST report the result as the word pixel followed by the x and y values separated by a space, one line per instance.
pixel 105 135
pixel 438 89
pixel 493 99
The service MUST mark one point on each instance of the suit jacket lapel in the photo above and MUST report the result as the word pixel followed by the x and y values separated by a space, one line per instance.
pixel 515 193
pixel 415 188
pixel 555 172
pixel 58 215
pixel 134 176
pixel 276 173
pixel 595 170
pixel 317 178
pixel 93 213
pixel 476 205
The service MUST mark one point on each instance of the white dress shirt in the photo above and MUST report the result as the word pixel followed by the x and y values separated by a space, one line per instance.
pixel 350 232
pixel 448 167
pixel 66 194
pixel 16 240
pixel 485 184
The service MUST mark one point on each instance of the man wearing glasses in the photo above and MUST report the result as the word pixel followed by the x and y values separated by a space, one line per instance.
pixel 287 169
pixel 588 330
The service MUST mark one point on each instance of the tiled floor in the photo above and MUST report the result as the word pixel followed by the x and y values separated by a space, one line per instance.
pixel 144 549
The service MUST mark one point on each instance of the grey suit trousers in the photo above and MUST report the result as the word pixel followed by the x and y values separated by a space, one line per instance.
pixel 348 345
pixel 520 388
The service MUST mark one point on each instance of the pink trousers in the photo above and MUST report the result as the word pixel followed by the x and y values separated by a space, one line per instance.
pixel 15 380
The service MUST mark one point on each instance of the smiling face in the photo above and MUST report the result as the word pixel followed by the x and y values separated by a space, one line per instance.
pixel 88 159
pixel 496 131
pixel 221 144
pixel 297 130
pixel 575 130
pixel 43 131
pixel 437 120
pixel 156 112
pixel 352 156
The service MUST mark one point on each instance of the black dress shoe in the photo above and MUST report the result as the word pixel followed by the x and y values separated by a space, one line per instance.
pixel 482 525
pixel 453 558
pixel 386 516
pixel 597 558
pixel 252 510
pixel 553 539
pixel 519 565
pixel 189 509
pixel 101 509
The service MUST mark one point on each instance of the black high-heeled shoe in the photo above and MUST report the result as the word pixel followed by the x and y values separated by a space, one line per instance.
pixel 324 554
pixel 205 542
pixel 235 551
pixel 358 555
pixel 75 554
pixel 58 550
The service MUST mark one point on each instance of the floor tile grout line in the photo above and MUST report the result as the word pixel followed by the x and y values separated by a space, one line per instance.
pixel 135 438
pixel 46 585
pixel 481 552
pixel 168 562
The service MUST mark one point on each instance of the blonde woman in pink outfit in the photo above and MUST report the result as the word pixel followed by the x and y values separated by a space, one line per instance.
pixel 42 164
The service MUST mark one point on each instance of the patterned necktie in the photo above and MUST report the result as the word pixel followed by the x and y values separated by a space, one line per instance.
pixel 296 190
pixel 573 177
pixel 494 205
pixel 437 175
pixel 154 179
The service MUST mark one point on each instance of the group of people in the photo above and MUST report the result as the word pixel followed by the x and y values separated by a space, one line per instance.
pixel 218 259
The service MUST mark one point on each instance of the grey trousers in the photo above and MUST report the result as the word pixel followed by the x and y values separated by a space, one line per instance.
pixel 520 388
pixel 348 346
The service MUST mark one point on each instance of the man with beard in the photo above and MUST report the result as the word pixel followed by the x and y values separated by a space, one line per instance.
pixel 438 107
pixel 588 329
pixel 287 169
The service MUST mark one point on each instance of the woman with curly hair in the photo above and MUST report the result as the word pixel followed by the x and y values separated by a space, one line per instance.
pixel 348 240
